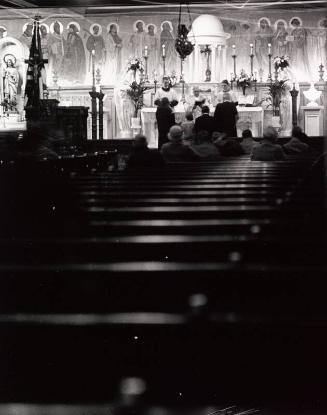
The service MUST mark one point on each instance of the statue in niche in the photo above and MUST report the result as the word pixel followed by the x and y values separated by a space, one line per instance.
pixel 152 42
pixel 137 40
pixel 10 78
pixel 74 60
pixel 280 40
pixel 56 48
pixel 167 39
pixel 299 49
pixel 95 42
pixel 115 45
pixel 263 37
pixel 26 37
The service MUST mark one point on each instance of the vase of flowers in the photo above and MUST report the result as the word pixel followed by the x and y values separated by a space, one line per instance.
pixel 135 92
pixel 134 65
pixel 280 63
pixel 243 81
pixel 276 90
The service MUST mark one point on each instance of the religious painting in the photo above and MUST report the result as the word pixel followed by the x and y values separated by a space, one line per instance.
pixel 152 42
pixel 245 38
pixel 74 60
pixel 3 32
pixel 137 40
pixel 95 42
pixel 167 39
pixel 264 37
pixel 280 39
pixel 26 37
pixel 321 35
pixel 115 45
pixel 44 33
pixel 56 49
pixel 299 48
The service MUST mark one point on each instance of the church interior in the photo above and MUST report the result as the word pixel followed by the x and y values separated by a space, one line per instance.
pixel 150 266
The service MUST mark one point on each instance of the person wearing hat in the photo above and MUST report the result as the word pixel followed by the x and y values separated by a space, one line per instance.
pixel 175 150
pixel 166 92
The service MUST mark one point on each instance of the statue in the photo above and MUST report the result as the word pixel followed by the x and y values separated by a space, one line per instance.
pixel 10 83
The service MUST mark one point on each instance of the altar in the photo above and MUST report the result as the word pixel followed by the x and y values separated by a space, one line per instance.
pixel 249 118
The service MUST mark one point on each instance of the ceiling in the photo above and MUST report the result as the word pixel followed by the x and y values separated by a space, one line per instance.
pixel 113 4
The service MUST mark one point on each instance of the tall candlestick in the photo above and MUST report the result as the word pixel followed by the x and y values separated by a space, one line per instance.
pixel 234 50
pixel 251 48
pixel 269 48
pixel 93 68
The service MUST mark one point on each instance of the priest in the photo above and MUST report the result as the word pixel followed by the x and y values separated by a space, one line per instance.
pixel 196 101
pixel 166 91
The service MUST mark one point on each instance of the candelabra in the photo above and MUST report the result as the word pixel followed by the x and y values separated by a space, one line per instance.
pixel 321 73
pixel 164 64
pixel 294 93
pixel 251 59
pixel 234 58
pixel 146 76
pixel 269 67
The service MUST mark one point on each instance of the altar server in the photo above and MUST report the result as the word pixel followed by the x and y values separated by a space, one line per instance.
pixel 166 92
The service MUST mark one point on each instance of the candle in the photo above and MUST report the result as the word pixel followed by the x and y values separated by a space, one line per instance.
pixel 93 52
pixel 163 51
pixel 255 75
pixel 234 50
pixel 269 48
pixel 251 48
pixel 146 51
pixel 155 75
pixel 231 76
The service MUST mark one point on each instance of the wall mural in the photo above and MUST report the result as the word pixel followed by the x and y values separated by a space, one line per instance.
pixel 68 44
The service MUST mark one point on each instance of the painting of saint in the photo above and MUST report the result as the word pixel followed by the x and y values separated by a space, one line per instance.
pixel 3 32
pixel 44 31
pixel 152 42
pixel 137 40
pixel 26 37
pixel 263 37
pixel 95 42
pixel 56 48
pixel 74 61
pixel 280 39
pixel 322 42
pixel 115 45
pixel 167 39
pixel 245 38
pixel 299 49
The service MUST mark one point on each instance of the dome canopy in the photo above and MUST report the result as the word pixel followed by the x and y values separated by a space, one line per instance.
pixel 208 30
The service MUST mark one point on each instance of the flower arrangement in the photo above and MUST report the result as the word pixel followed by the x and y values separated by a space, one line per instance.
pixel 281 62
pixel 135 92
pixel 276 90
pixel 134 64
pixel 243 81
pixel 182 45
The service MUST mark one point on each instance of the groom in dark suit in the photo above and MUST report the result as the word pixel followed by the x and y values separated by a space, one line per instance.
pixel 205 122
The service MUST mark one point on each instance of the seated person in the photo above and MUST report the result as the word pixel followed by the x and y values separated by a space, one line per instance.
pixel 296 145
pixel 142 157
pixel 204 146
pixel 228 146
pixel 175 150
pixel 188 128
pixel 204 122
pixel 267 149
pixel 166 92
pixel 35 144
pixel 247 141
pixel 165 119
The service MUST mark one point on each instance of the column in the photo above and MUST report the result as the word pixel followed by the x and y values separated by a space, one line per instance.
pixel 224 68
pixel 213 63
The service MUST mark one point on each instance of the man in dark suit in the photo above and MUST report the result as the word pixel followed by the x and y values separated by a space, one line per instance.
pixel 205 122
pixel 225 118
pixel 165 119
